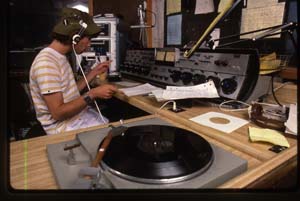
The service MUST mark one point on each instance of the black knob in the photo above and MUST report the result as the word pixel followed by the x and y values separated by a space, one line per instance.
pixel 186 77
pixel 224 63
pixel 217 62
pixel 175 75
pixel 216 81
pixel 198 79
pixel 228 85
pixel 145 71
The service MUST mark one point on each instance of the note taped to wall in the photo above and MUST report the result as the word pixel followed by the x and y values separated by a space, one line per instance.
pixel 173 6
pixel 204 6
pixel 174 29
pixel 261 17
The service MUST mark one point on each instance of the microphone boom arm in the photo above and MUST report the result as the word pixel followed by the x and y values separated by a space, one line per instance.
pixel 221 16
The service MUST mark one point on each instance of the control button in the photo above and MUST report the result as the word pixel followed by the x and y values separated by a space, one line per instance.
pixel 216 80
pixel 228 85
pixel 186 77
pixel 217 62
pixel 198 79
pixel 175 75
pixel 224 63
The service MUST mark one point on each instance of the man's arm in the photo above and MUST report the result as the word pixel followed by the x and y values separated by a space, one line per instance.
pixel 100 68
pixel 61 111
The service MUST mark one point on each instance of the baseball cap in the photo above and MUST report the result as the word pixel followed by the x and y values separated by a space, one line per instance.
pixel 69 23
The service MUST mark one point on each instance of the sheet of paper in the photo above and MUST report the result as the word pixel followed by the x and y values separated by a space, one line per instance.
pixel 261 17
pixel 215 34
pixel 139 90
pixel 233 122
pixel 174 29
pixel 260 3
pixel 206 90
pixel 127 83
pixel 173 6
pixel 267 135
pixel 158 94
pixel 204 6
pixel 292 122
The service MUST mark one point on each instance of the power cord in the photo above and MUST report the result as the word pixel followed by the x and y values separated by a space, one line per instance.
pixel 174 108
pixel 273 91
pixel 153 25
pixel 87 83
pixel 233 110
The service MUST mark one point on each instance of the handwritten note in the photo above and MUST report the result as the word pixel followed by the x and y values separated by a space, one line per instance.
pixel 206 90
pixel 204 6
pixel 267 135
pixel 173 6
pixel 255 18
pixel 139 90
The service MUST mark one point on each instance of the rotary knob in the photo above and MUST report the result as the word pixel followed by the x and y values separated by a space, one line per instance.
pixel 228 85
pixel 175 75
pixel 198 79
pixel 216 81
pixel 145 71
pixel 186 77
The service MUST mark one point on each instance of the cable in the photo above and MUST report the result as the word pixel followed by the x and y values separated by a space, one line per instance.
pixel 154 14
pixel 171 101
pixel 233 110
pixel 273 91
pixel 87 83
pixel 282 85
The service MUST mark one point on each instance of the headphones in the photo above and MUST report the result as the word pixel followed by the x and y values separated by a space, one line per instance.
pixel 76 37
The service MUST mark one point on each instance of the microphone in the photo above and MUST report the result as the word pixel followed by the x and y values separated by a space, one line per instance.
pixel 141 12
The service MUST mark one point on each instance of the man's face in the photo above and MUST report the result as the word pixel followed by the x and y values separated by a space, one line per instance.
pixel 82 45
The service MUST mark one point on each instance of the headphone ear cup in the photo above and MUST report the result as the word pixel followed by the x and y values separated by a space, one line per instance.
pixel 75 39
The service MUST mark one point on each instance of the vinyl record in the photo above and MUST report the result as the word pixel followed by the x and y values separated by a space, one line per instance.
pixel 157 154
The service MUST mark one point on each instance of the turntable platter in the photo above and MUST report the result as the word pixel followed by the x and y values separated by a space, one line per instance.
pixel 157 154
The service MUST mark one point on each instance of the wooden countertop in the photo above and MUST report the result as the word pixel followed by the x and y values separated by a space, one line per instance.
pixel 30 169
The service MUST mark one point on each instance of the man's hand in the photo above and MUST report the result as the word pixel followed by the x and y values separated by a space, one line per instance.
pixel 105 91
pixel 100 68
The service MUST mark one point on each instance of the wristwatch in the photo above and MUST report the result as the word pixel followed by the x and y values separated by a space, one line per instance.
pixel 88 99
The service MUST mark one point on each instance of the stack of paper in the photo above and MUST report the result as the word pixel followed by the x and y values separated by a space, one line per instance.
pixel 206 90
pixel 291 123
pixel 139 90
pixel 267 135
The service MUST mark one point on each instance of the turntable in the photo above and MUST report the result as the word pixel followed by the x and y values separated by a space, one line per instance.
pixel 150 154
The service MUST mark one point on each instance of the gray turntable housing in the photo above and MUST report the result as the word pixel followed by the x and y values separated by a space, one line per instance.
pixel 225 165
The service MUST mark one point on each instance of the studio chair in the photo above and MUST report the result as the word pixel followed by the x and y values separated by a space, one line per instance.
pixel 22 120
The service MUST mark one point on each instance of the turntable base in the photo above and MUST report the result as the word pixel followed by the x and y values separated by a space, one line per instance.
pixel 223 167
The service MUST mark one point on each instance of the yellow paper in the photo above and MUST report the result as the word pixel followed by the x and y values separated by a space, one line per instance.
pixel 173 6
pixel 269 64
pixel 267 135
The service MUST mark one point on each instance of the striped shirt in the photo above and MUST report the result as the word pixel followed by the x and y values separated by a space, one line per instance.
pixel 51 72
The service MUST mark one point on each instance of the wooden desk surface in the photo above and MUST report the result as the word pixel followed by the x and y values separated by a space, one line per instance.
pixel 30 169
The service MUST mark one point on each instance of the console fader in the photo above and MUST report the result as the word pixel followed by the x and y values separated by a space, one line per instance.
pixel 234 72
